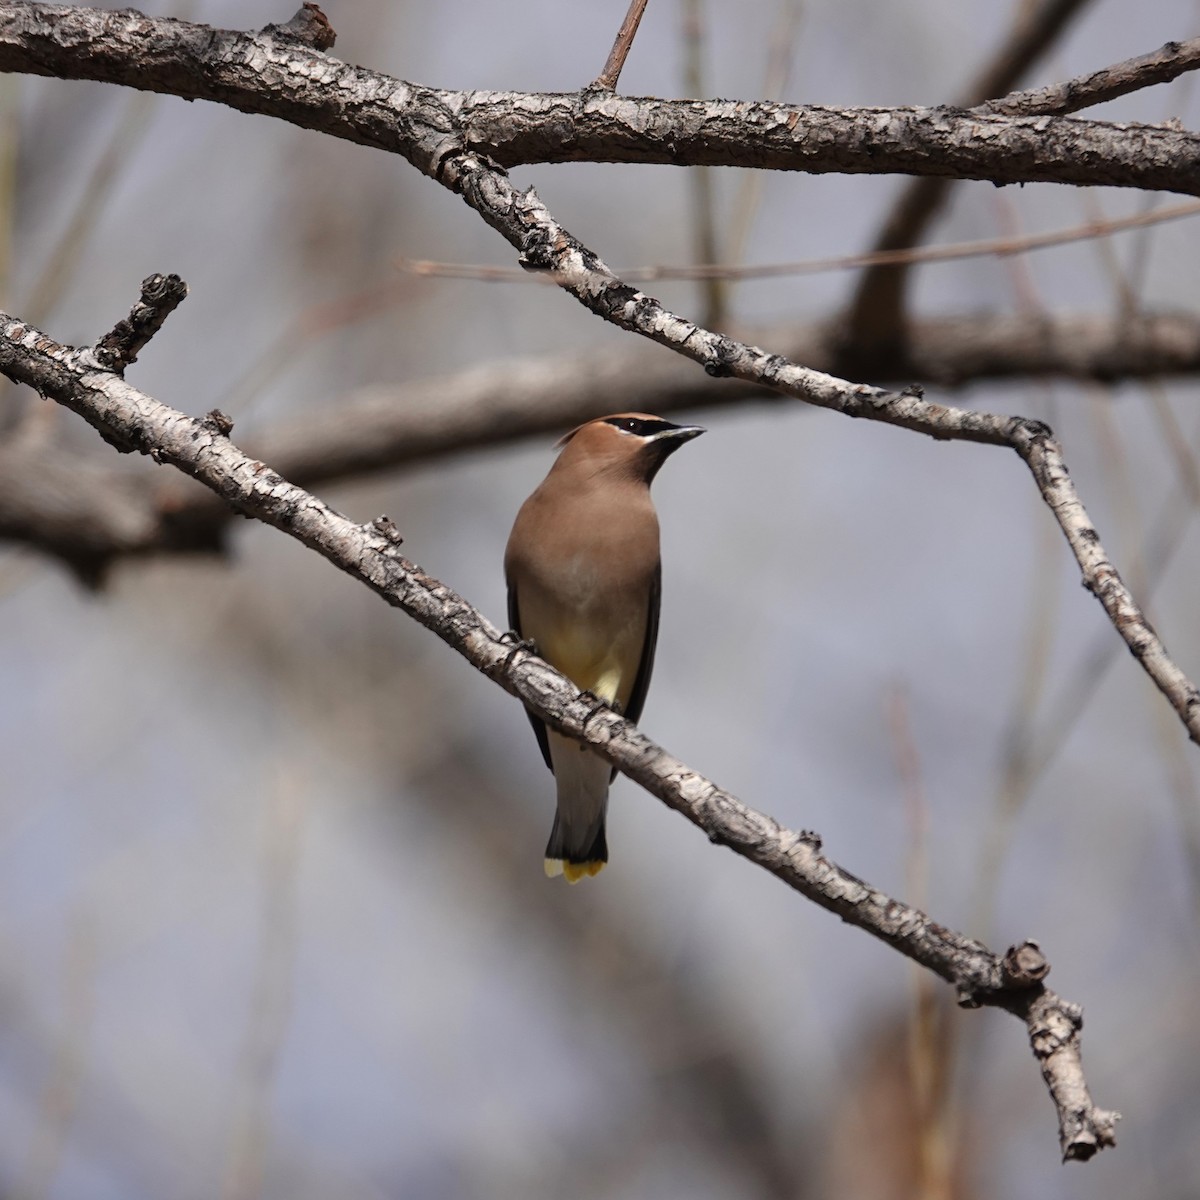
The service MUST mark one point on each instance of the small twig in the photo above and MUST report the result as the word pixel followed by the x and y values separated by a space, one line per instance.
pixel 1146 70
pixel 607 79
pixel 309 27
pixel 161 295
pixel 124 415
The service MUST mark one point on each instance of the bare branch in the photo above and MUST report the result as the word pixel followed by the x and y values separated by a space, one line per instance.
pixel 260 74
pixel 369 554
pixel 607 79
pixel 1160 66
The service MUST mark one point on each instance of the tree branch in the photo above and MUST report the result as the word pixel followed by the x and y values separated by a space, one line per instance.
pixel 259 73
pixel 545 245
pixel 1098 87
pixel 202 449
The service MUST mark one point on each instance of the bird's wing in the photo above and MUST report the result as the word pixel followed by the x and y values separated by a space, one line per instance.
pixel 641 682
pixel 514 621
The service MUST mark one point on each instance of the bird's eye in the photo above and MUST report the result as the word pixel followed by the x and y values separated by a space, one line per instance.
pixel 638 426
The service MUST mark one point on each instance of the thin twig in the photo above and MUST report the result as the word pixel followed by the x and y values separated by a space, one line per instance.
pixel 369 553
pixel 949 252
pixel 704 216
pixel 781 51
pixel 607 79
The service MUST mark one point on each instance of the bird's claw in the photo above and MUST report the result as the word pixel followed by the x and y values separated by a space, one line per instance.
pixel 518 643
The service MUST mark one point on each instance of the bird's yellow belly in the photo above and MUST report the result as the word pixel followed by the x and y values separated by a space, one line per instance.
pixel 594 663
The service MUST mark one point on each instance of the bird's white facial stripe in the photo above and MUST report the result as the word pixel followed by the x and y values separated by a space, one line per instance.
pixel 645 429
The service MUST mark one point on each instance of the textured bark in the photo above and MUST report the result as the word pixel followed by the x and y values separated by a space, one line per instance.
pixel 369 553
pixel 284 78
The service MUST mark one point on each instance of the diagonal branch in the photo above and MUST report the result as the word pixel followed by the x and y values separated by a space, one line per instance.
pixel 369 553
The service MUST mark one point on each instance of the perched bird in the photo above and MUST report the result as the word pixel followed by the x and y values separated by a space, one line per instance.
pixel 583 574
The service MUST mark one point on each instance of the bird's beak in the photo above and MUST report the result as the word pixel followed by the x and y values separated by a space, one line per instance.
pixel 679 435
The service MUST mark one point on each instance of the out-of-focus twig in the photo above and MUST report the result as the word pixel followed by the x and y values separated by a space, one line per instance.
pixel 950 252
pixel 10 90
pixel 780 52
pixel 931 1044
pixel 60 1098
pixel 704 211
pixel 54 277
pixel 88 513
pixel 270 1006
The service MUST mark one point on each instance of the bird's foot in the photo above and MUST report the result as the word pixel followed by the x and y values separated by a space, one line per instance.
pixel 596 705
pixel 518 644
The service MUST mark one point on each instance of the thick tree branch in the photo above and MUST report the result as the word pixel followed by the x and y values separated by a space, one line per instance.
pixel 369 553
pixel 259 73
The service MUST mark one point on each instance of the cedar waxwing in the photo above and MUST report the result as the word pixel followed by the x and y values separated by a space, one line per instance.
pixel 584 577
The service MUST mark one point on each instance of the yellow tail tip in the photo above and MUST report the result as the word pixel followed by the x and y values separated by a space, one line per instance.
pixel 572 872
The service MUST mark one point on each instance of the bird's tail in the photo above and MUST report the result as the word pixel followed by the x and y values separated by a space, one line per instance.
pixel 575 857
pixel 577 846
